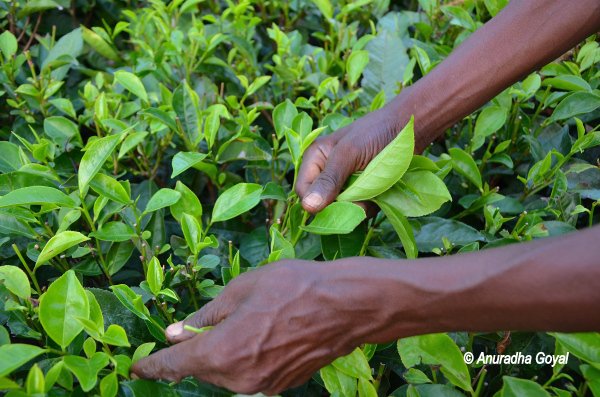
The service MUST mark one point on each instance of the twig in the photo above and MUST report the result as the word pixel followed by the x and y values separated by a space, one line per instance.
pixel 33 32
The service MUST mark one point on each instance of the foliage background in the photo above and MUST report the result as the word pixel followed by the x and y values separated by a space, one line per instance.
pixel 123 122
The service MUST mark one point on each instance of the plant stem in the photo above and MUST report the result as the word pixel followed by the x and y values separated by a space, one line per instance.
pixel 31 274
pixel 88 218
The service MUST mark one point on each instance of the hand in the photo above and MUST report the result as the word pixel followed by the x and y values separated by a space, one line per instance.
pixel 274 328
pixel 331 159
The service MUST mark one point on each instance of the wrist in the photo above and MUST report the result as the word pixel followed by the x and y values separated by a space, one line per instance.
pixel 416 101
pixel 380 300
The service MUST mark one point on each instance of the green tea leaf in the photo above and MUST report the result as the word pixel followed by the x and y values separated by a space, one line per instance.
pixel 58 244
pixel 385 169
pixel 94 158
pixel 132 83
pixel 514 387
pixel 283 115
pixel 463 163
pixel 185 104
pixel 15 280
pixel 60 306
pixel 490 120
pixel 213 122
pixel 131 142
pixel 95 41
pixel 436 349
pixel 115 335
pixel 114 231
pixel 62 130
pixel 576 104
pixel 86 370
pixel 163 198
pixel 418 193
pixel 338 383
pixel 34 384
pixel 36 195
pixel 356 63
pixel 192 231
pixel 236 200
pixel 155 276
pixel 8 44
pixel 336 218
pixel 354 364
pixel 12 356
pixel 109 385
pixel 188 203
pixel 110 188
pixel 142 351
pixel 401 226
pixel 366 388
pixel 583 345
pixel 185 160
pixel 325 7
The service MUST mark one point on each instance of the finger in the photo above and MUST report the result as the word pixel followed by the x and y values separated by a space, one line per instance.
pixel 210 314
pixel 313 163
pixel 328 184
pixel 173 363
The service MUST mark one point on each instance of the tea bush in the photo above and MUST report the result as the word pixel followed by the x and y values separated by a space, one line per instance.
pixel 149 153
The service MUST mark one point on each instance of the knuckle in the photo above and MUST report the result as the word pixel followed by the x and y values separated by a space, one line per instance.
pixel 328 180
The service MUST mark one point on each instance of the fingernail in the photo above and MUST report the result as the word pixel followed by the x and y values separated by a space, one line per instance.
pixel 133 376
pixel 313 200
pixel 175 329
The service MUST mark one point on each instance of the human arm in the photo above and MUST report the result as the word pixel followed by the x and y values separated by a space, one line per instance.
pixel 277 325
pixel 525 35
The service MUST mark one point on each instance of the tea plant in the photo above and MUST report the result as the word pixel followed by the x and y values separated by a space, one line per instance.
pixel 149 156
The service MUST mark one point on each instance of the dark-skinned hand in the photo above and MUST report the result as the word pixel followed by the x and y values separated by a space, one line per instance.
pixel 274 328
pixel 331 159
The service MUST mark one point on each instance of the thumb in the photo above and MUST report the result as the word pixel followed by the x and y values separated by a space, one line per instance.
pixel 210 314
pixel 329 183
pixel 173 363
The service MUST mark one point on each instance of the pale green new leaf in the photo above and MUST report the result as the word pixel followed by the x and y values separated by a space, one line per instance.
pixel 12 356
pixel 60 306
pixel 155 276
pixel 356 63
pixel 436 349
pixel 132 83
pixel 354 364
pixel 338 383
pixel 336 218
pixel 58 244
pixel 385 169
pixel 15 280
pixel 325 7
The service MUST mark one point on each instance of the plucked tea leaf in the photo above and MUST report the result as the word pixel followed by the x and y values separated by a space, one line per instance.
pixel 385 169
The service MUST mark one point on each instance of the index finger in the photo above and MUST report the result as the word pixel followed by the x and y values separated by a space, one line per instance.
pixel 173 363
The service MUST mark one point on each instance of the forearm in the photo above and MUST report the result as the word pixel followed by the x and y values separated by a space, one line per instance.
pixel 524 36
pixel 546 285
